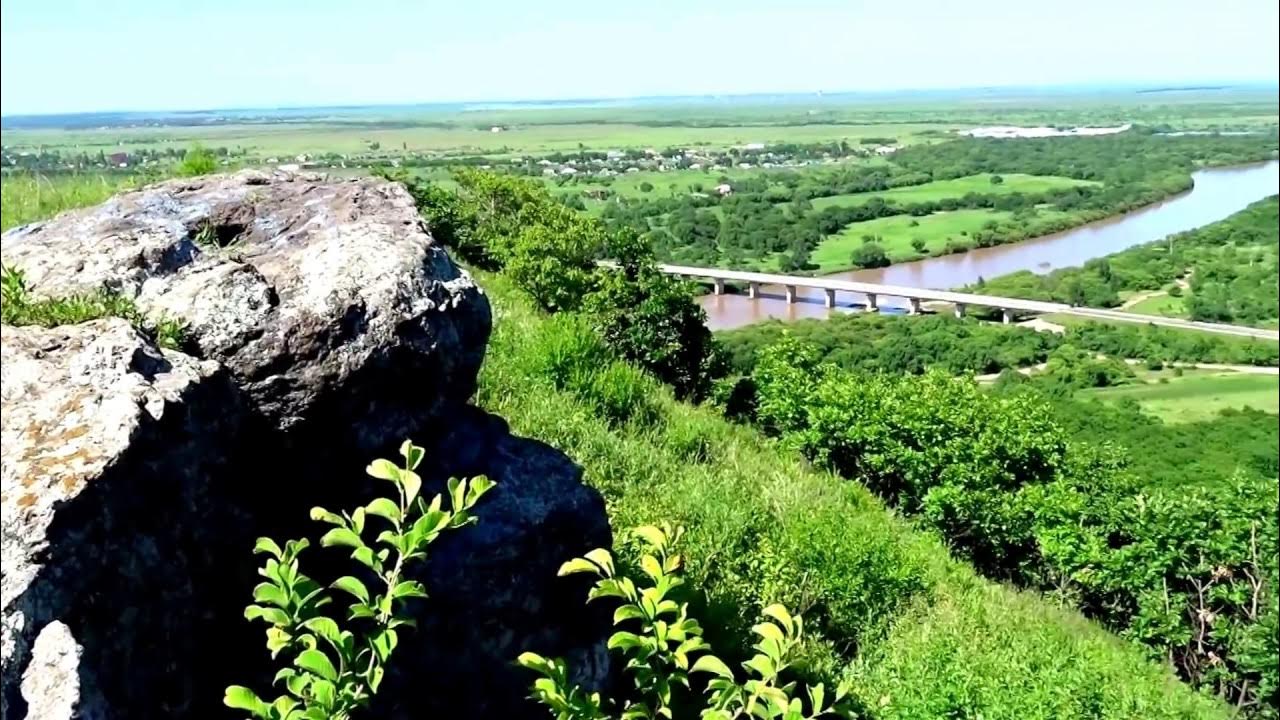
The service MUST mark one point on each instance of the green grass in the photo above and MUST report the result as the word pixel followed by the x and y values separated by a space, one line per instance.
pixel 27 198
pixel 941 189
pixel 916 633
pixel 1197 396
pixel 1161 305
pixel 897 231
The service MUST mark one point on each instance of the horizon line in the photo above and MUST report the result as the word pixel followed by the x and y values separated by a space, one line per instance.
pixel 1169 86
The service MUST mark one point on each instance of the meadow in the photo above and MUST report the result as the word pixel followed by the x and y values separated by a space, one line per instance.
pixel 896 233
pixel 955 188
pixel 1196 395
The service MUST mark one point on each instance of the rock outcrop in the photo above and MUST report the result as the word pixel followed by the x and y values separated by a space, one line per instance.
pixel 327 301
pixel 323 326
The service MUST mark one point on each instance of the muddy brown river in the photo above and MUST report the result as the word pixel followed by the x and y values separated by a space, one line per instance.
pixel 1218 192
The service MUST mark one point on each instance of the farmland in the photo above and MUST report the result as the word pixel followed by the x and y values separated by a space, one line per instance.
pixel 958 187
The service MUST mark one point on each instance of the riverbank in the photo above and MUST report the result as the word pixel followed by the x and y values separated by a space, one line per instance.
pixel 1216 194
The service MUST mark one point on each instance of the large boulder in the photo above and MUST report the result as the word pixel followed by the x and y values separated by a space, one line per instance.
pixel 328 301
pixel 119 517
pixel 323 326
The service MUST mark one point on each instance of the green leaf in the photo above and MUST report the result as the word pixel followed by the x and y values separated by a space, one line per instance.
pixel 364 556
pixel 769 631
pixel 477 488
pixel 341 537
pixel 317 663
pixel 266 545
pixel 624 640
pixel 779 612
pixel 238 697
pixel 384 508
pixel 319 514
pixel 651 535
pixel 412 485
pixel 412 454
pixel 269 593
pixel 408 589
pixel 578 565
pixel 326 628
pixel 351 585
pixel 627 612
pixel 603 558
pixel 457 497
pixel 712 664
pixel 649 564
pixel 384 470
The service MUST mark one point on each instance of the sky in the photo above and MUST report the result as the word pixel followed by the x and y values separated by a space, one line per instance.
pixel 100 55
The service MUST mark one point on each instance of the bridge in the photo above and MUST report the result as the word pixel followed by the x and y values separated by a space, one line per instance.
pixel 960 302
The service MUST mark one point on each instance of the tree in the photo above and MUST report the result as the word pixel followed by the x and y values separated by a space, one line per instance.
pixel 918 244
pixel 996 180
pixel 869 255
pixel 553 255
pixel 646 187
pixel 652 320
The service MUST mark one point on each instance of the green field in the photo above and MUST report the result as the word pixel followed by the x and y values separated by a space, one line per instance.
pixel 289 139
pixel 1197 395
pixel 1161 305
pixel 941 189
pixel 897 231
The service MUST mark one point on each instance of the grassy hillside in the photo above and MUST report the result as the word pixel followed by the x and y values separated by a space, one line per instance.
pixel 916 633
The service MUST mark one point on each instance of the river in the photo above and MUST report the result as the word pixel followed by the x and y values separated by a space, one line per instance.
pixel 1218 192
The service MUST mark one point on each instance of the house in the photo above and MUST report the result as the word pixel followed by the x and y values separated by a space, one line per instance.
pixel 120 159
pixel 753 146
pixel 724 188
pixel 496 129
pixel 885 150
pixel 568 171
pixel 615 154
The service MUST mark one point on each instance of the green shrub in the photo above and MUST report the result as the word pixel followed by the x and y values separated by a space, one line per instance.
pixel 330 671
pixel 1186 571
pixel 619 393
pixel 661 653
pixel 197 161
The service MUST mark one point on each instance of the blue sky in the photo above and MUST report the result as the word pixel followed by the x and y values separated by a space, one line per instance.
pixel 83 55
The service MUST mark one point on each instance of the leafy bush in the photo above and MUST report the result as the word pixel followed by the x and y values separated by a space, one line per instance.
pixel 197 161
pixel 332 671
pixel 1188 571
pixel 869 255
pixel 18 308
pixel 661 653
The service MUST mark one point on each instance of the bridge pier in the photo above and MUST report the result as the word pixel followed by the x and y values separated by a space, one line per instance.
pixel 915 306
pixel 719 286
pixel 753 290
pixel 871 302
pixel 791 293
pixel 1006 316
pixel 959 308
pixel 830 297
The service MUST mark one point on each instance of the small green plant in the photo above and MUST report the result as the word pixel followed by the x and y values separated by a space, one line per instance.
pixel 197 161
pixel 17 307
pixel 332 671
pixel 663 646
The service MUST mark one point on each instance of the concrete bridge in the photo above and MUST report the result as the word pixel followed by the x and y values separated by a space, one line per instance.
pixel 960 302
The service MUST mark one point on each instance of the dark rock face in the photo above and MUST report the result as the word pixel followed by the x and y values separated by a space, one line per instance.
pixel 121 514
pixel 324 327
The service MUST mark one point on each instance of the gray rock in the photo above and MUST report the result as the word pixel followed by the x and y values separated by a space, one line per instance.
pixel 327 300
pixel 113 523
pixel 324 327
